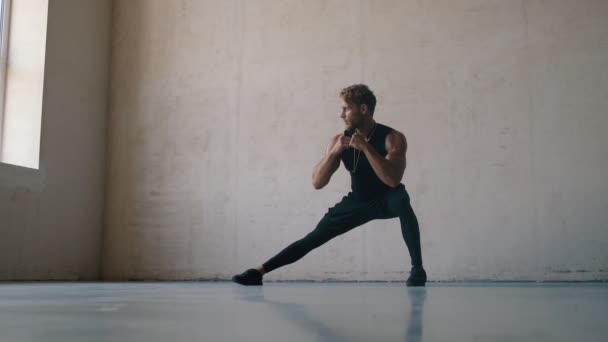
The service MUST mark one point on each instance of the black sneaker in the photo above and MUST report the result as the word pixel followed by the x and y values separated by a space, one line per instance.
pixel 417 276
pixel 249 277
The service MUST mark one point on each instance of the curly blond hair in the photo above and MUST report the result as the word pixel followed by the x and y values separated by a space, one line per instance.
pixel 359 94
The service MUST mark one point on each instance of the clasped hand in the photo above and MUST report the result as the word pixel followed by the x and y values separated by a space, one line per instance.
pixel 357 141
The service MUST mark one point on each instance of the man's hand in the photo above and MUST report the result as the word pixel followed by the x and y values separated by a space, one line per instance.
pixel 358 141
pixel 341 144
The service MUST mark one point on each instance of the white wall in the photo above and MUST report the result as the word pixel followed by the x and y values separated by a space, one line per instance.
pixel 220 109
pixel 51 218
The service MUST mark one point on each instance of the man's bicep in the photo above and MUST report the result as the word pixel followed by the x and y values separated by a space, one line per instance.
pixel 396 147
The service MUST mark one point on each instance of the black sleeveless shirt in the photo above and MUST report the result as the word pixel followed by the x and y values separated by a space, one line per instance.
pixel 364 182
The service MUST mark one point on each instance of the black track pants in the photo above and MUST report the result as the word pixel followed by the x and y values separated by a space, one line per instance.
pixel 350 213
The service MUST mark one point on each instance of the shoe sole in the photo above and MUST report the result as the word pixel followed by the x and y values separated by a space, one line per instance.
pixel 234 280
pixel 415 283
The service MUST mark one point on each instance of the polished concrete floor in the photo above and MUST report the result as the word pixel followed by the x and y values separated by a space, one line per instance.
pixel 222 311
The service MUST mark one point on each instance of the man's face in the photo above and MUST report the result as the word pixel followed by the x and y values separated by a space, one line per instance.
pixel 351 114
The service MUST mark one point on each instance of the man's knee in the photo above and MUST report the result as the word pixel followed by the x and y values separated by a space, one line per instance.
pixel 399 202
pixel 319 236
pixel 323 232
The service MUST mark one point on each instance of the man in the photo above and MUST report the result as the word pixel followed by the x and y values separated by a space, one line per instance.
pixel 374 154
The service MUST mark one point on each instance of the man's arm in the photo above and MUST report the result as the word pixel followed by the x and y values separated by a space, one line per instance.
pixel 390 169
pixel 325 168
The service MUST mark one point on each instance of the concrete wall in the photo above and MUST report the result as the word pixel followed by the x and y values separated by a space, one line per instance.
pixel 220 109
pixel 51 218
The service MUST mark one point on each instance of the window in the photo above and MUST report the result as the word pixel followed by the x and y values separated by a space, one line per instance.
pixel 4 25
pixel 23 55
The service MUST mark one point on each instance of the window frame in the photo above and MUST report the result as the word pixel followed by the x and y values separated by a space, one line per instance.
pixel 5 10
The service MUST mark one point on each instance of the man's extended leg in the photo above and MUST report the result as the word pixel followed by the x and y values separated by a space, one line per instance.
pixel 344 216
pixel 398 205
pixel 324 232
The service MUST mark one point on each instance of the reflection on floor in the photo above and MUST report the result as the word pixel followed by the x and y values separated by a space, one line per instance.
pixel 222 311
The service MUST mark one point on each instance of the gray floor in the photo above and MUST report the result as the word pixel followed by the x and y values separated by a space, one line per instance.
pixel 222 311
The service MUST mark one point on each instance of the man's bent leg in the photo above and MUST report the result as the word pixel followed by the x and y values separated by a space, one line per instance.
pixel 344 216
pixel 398 205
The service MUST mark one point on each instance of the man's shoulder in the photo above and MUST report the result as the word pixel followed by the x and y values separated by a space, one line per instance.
pixel 391 133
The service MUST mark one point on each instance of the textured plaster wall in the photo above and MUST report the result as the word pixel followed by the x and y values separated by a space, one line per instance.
pixel 220 109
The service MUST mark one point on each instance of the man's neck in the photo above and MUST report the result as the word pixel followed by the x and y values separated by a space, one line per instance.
pixel 367 127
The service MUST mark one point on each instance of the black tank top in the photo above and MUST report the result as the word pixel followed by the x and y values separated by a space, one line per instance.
pixel 364 182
